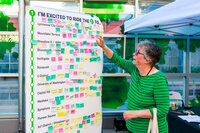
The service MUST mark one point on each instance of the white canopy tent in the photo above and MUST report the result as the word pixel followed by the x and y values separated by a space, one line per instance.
pixel 181 17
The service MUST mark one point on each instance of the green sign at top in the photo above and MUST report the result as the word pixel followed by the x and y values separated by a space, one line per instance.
pixel 6 2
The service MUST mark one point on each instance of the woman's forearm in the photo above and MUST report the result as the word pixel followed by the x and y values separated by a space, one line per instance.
pixel 131 114
pixel 108 52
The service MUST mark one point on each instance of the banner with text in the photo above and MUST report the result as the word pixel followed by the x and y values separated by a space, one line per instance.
pixel 63 72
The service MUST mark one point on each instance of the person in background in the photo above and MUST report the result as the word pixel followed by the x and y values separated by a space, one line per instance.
pixel 148 90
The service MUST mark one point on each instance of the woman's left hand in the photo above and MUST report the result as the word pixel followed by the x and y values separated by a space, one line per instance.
pixel 129 115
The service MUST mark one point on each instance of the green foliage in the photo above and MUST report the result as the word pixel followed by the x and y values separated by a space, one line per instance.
pixel 114 93
pixel 195 69
pixel 15 55
pixel 4 46
pixel 6 2
pixel 194 44
pixel 182 44
pixel 193 102
pixel 5 26
pixel 164 44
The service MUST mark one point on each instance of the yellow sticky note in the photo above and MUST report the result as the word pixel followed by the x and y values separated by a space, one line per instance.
pixel 87 94
pixel 66 51
pixel 39 45
pixel 66 59
pixel 60 90
pixel 98 77
pixel 94 94
pixel 62 107
pixel 71 128
pixel 86 59
pixel 84 126
pixel 60 75
pixel 73 120
pixel 97 121
pixel 54 91
pixel 81 66
pixel 47 87
pixel 80 73
pixel 85 80
pixel 55 126
pixel 91 81
pixel 73 42
pixel 67 112
pixel 87 88
pixel 66 129
pixel 61 114
pixel 58 108
pixel 43 79
pixel 76 126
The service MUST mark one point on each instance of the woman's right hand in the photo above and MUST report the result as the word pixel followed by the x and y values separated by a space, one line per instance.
pixel 100 41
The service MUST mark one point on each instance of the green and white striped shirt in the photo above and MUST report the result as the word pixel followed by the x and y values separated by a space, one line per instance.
pixel 146 92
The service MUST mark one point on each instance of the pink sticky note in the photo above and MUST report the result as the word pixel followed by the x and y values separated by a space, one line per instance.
pixel 74 54
pixel 61 130
pixel 63 44
pixel 77 50
pixel 53 68
pixel 100 88
pixel 60 58
pixel 95 75
pixel 80 36
pixel 81 43
pixel 88 44
pixel 67 97
pixel 75 73
pixel 93 115
pixel 64 35
pixel 66 66
pixel 90 50
pixel 86 51
pixel 67 106
pixel 44 45
pixel 59 67
pixel 69 35
pixel 67 121
pixel 74 30
pixel 55 21
pixel 93 36
pixel 76 95
pixel 59 22
pixel 56 131
pixel 84 122
pixel 82 81
pixel 44 20
pixel 92 44
pixel 76 43
pixel 53 59
pixel 70 72
pixel 73 111
pixel 88 37
pixel 81 94
pixel 71 60
pixel 76 81
pixel 53 103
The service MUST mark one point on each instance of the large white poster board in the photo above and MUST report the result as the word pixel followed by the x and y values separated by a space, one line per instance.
pixel 63 72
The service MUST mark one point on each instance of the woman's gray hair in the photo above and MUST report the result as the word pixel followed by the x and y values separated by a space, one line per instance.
pixel 152 52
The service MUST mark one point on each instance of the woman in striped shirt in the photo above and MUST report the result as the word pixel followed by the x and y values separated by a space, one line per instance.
pixel 149 87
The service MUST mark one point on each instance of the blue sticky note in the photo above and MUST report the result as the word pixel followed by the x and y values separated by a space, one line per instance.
pixel 34 42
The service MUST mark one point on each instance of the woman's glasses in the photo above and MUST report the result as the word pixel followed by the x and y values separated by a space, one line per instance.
pixel 138 52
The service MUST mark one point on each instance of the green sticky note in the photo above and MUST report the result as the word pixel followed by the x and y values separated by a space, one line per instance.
pixel 77 59
pixel 98 93
pixel 77 89
pixel 62 50
pixel 81 50
pixel 101 77
pixel 75 47
pixel 68 43
pixel 57 98
pixel 74 35
pixel 71 51
pixel 80 125
pixel 50 20
pixel 88 121
pixel 69 28
pixel 91 87
pixel 93 53
pixel 50 128
pixel 84 117
pixel 79 31
pixel 58 102
pixel 71 89
pixel 79 81
pixel 90 32
pixel 57 29
pixel 82 105
pixel 78 105
pixel 58 45
pixel 71 67
pixel 91 59
pixel 53 76
pixel 90 27
pixel 84 42
pixel 34 42
pixel 98 58
pixel 62 97
pixel 98 32
pixel 66 75
pixel 48 51
pixel 50 131
pixel 95 44
pixel 89 116
pixel 78 131
pixel 48 78
pixel 77 25
pixel 95 88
